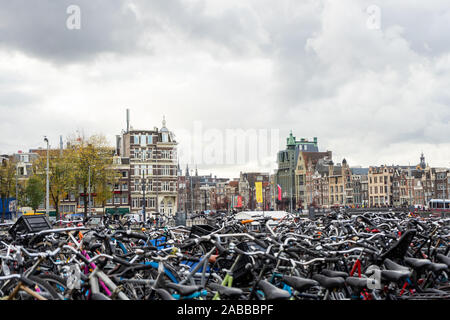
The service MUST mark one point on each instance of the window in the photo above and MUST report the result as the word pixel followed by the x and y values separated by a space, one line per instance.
pixel 137 153
pixel 166 154
pixel 165 186
pixel 109 201
pixel 165 137
pixel 143 140
pixel 135 202
pixel 166 170
pixel 124 199
pixel 124 186
pixel 124 174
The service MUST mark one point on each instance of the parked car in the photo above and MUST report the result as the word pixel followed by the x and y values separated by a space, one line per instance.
pixel 133 218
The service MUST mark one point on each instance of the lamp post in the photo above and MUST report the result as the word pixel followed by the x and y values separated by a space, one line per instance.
pixel 156 176
pixel 143 196
pixel 47 187
pixel 191 187
pixel 17 192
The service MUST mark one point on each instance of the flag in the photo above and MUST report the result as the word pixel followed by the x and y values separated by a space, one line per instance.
pixel 279 192
pixel 258 190
pixel 239 202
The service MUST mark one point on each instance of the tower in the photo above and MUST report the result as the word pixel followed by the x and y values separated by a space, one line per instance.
pixel 422 161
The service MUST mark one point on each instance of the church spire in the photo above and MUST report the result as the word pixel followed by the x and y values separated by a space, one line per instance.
pixel 422 161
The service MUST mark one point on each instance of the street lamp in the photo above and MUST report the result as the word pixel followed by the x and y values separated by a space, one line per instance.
pixel 143 196
pixel 17 192
pixel 47 188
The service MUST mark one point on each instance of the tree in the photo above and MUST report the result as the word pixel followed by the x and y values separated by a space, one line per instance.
pixel 7 182
pixel 35 193
pixel 92 160
pixel 61 178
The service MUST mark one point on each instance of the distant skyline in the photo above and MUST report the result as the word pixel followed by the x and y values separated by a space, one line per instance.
pixel 369 80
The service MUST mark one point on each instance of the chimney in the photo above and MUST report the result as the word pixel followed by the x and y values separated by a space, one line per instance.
pixel 128 120
pixel 118 144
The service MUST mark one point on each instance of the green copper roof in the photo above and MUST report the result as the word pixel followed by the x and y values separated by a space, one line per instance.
pixel 291 141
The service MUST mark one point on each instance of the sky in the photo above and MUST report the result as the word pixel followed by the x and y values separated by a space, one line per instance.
pixel 369 79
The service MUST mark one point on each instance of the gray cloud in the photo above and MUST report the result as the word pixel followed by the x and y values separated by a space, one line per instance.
pixel 38 28
pixel 310 66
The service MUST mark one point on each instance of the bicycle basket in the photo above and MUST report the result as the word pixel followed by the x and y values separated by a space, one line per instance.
pixel 30 224
pixel 241 275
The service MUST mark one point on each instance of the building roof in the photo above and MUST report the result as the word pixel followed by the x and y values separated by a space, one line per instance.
pixel 360 171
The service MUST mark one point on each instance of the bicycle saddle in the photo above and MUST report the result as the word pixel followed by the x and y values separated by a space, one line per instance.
pixel 357 283
pixel 443 259
pixel 332 273
pixel 417 263
pixel 394 275
pixel 183 289
pixel 329 282
pixel 299 284
pixel 391 265
pixel 271 292
pixel 437 267
pixel 226 291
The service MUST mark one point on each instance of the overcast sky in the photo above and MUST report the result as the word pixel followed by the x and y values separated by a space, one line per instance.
pixel 370 79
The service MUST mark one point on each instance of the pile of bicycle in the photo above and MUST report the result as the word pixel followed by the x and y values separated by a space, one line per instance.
pixel 370 256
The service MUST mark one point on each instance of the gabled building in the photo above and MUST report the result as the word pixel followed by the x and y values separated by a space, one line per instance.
pixel 310 183
pixel 360 186
pixel 380 186
pixel 153 169
pixel 285 175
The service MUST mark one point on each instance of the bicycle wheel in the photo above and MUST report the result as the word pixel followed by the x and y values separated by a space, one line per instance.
pixel 42 287
pixel 58 283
